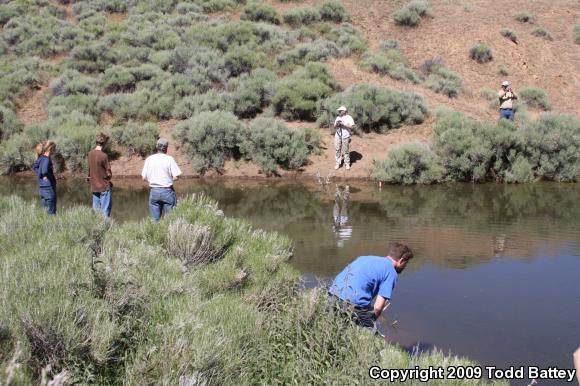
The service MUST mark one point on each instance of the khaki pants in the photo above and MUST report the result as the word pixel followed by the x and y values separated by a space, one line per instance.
pixel 341 145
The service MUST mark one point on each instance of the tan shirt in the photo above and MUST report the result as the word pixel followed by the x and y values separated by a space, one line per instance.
pixel 505 99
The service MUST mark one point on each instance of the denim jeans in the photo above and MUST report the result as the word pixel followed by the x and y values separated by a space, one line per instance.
pixel 507 114
pixel 161 201
pixel 48 199
pixel 102 202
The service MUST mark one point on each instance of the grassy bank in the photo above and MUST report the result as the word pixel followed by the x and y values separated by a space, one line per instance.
pixel 197 299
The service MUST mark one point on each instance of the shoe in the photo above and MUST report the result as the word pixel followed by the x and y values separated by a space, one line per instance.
pixel 336 166
pixel 347 167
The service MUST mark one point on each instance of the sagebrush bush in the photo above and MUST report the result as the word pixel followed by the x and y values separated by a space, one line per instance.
pixel 411 13
pixel 138 139
pixel 17 77
pixel 332 10
pixel 535 97
pixel 260 12
pixel 297 95
pixel 525 17
pixel 251 93
pixel 271 144
pixel 488 93
pixel 210 101
pixel 440 79
pixel 409 164
pixel 481 53
pixel 301 16
pixel 210 138
pixel 348 38
pixel 9 123
pixel 510 34
pixel 388 45
pixel 316 51
pixel 374 109
pixel 16 153
pixel 502 70
pixel 72 82
pixel 241 59
pixel 118 79
pixel 577 34
pixel 543 33
pixel 390 63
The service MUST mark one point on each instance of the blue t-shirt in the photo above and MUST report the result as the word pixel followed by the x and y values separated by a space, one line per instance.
pixel 365 278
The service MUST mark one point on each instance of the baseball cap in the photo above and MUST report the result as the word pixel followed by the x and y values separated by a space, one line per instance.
pixel 505 83
pixel 341 108
pixel 162 142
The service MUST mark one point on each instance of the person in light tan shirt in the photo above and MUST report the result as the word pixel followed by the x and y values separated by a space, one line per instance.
pixel 506 96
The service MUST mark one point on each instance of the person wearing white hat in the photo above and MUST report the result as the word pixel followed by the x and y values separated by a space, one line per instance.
pixel 506 96
pixel 343 124
pixel 160 170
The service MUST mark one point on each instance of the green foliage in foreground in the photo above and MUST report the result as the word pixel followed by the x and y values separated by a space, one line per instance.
pixel 374 108
pixel 196 299
pixel 467 150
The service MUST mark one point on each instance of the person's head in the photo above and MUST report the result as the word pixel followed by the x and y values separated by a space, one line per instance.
pixel 101 139
pixel 341 110
pixel 505 84
pixel 162 145
pixel 400 254
pixel 46 148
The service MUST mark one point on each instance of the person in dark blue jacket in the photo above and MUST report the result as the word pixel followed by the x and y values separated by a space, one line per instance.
pixel 44 171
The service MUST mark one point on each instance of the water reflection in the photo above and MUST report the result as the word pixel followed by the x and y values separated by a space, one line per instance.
pixel 342 229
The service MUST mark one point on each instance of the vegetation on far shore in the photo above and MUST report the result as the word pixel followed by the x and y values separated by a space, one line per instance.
pixel 196 299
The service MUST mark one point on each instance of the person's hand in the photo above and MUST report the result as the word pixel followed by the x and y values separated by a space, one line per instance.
pixel 45 178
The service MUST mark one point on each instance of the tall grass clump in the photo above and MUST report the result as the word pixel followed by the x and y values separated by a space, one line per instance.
pixel 411 13
pixel 535 97
pixel 510 34
pixel 210 138
pixel 543 33
pixel 271 145
pixel 260 12
pixel 198 298
pixel 481 53
pixel 525 17
pixel 298 94
pixel 440 79
pixel 374 109
pixel 409 164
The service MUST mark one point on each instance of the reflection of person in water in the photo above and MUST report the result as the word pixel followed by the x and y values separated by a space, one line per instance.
pixel 342 230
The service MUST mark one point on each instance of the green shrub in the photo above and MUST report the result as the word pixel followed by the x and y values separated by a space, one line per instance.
pixel 332 10
pixel 72 82
pixel 409 164
pixel 298 94
pixel 271 145
pixel 316 51
pixel 577 34
pixel 64 105
pixel 388 45
pixel 210 138
pixel 194 104
pixel 348 38
pixel 260 12
pixel 16 153
pixel 138 139
pixel 239 60
pixel 535 97
pixel 118 79
pixel 9 123
pixel 502 70
pixel 251 93
pixel 525 17
pixel 510 34
pixel 17 77
pixel 488 94
pixel 411 13
pixel 301 16
pixel 390 63
pixel 374 109
pixel 543 33
pixel 440 79
pixel 93 58
pixel 481 53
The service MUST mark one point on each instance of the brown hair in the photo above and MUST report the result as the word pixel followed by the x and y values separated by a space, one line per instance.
pixel 102 139
pixel 43 147
pixel 400 251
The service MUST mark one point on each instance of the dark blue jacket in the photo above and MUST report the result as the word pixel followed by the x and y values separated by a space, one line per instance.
pixel 43 168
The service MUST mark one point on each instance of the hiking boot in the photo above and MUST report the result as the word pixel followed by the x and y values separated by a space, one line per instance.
pixel 347 167
pixel 336 166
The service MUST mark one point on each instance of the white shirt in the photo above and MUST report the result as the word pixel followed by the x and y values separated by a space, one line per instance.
pixel 347 120
pixel 159 170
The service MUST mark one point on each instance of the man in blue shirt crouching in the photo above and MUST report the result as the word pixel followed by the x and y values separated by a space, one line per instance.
pixel 367 278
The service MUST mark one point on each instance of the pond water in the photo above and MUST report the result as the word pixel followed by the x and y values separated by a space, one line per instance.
pixel 496 276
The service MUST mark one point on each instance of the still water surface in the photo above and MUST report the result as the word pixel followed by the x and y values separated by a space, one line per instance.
pixel 497 270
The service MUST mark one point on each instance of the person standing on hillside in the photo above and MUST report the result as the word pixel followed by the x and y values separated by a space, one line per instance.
pixel 368 278
pixel 45 173
pixel 343 125
pixel 160 170
pixel 99 176
pixel 506 96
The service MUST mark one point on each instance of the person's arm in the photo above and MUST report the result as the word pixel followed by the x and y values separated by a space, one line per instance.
pixel 43 168
pixel 379 306
pixel 107 166
pixel 502 95
pixel 175 171
pixel 144 171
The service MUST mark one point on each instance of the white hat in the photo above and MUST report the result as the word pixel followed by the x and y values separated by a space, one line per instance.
pixel 341 108
pixel 505 83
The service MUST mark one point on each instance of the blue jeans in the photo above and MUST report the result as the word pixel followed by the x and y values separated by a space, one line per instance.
pixel 161 201
pixel 507 114
pixel 102 202
pixel 48 198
